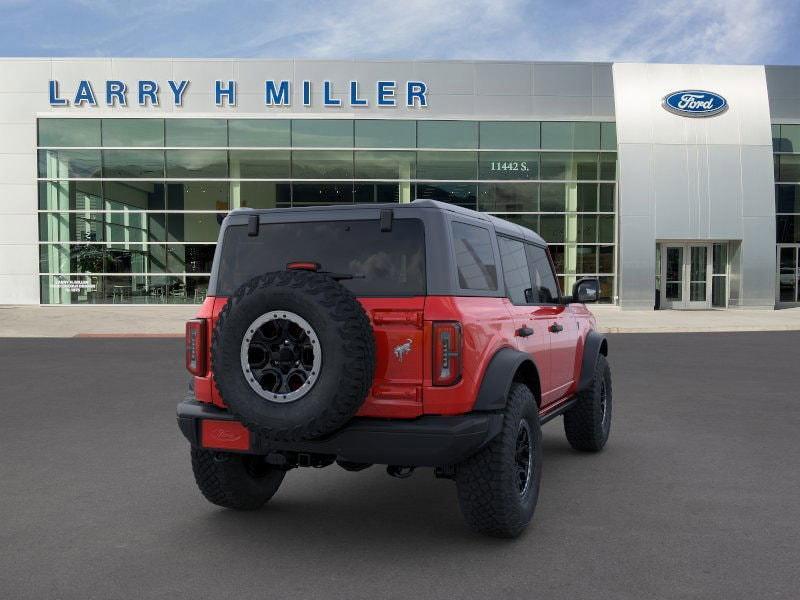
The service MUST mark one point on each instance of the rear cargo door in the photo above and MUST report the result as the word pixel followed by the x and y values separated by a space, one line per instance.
pixel 399 344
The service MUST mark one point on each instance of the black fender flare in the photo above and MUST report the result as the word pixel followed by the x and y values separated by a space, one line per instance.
pixel 595 345
pixel 500 373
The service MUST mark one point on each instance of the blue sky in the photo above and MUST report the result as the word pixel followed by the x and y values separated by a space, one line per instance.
pixel 699 31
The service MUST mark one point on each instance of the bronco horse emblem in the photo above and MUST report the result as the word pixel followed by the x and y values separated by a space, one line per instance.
pixel 402 349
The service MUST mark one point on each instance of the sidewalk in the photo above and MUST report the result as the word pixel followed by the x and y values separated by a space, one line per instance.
pixel 168 321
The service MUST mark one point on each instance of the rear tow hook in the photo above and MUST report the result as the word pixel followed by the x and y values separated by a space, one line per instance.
pixel 399 471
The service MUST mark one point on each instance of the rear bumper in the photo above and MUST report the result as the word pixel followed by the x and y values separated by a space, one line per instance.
pixel 426 441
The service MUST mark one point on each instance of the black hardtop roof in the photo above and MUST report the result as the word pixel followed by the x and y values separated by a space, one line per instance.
pixel 500 225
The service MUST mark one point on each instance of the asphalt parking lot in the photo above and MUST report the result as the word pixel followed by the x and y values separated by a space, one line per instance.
pixel 696 495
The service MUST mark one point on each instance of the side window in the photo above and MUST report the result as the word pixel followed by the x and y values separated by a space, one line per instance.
pixel 474 257
pixel 515 270
pixel 545 287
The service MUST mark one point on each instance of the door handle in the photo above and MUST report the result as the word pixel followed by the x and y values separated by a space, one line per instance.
pixel 524 331
pixel 555 328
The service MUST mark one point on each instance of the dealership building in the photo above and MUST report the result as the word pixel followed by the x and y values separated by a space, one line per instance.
pixel 678 186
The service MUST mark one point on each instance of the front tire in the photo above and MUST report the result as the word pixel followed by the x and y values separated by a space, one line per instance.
pixel 237 481
pixel 588 423
pixel 498 487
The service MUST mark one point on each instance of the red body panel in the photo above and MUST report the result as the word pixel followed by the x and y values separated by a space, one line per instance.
pixel 402 387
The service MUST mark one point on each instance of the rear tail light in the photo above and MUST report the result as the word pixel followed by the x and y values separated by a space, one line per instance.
pixel 446 352
pixel 196 346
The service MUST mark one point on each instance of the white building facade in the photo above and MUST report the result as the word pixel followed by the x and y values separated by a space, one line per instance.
pixel 678 186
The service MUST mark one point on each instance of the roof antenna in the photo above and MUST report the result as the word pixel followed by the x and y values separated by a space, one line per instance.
pixel 387 215
pixel 252 225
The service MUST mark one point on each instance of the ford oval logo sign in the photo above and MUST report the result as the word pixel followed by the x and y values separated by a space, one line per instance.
pixel 695 103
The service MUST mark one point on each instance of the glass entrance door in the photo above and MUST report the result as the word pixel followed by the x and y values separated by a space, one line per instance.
pixel 788 274
pixel 686 276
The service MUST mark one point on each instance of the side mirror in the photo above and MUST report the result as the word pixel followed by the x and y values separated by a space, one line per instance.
pixel 586 290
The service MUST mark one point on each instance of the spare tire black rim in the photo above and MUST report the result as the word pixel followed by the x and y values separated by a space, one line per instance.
pixel 281 356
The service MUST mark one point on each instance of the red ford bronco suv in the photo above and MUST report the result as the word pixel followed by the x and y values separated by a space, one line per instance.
pixel 410 335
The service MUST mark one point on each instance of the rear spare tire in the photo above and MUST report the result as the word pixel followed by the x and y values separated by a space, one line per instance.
pixel 293 355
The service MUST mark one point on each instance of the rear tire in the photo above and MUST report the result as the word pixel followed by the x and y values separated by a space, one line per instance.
pixel 237 481
pixel 498 487
pixel 588 423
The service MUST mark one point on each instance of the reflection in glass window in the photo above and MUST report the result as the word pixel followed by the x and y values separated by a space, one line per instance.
pixel 587 228
pixel 553 197
pixel 545 289
pixel 69 132
pixel 789 170
pixel 193 227
pixel 587 259
pixel 261 194
pixel 133 164
pixel 789 138
pixel 322 164
pixel 557 135
pixel 474 257
pixel 70 195
pixel 381 192
pixel 63 164
pixel 462 194
pixel 509 165
pixel 197 163
pixel 515 270
pixel 196 132
pixel 552 228
pixel 605 228
pixel 446 165
pixel 447 134
pixel 585 166
pixel 133 195
pixel 556 165
pixel 586 136
pixel 309 194
pixel 259 133
pixel 606 197
pixel 198 195
pixel 385 133
pixel 605 259
pixel 322 133
pixel 587 197
pixel 508 197
pixel 529 221
pixel 133 132
pixel 385 164
pixel 608 166
pixel 501 135
pixel 608 136
pixel 260 164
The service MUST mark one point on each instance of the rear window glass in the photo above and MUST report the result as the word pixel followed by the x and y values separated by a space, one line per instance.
pixel 474 257
pixel 392 262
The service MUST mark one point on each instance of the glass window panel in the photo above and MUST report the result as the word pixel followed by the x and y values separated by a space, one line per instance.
pixel 474 257
pixel 608 166
pixel 127 258
pixel 556 165
pixel 309 194
pixel 508 197
pixel 136 227
pixel 552 228
pixel 587 228
pixel 62 164
pixel 260 164
pixel 787 229
pixel 190 258
pixel 557 135
pixel 447 165
pixel 787 198
pixel 719 291
pixel 606 295
pixel 585 166
pixel 608 136
pixel 789 170
pixel 385 133
pixel 776 135
pixel 790 138
pixel 197 163
pixel 529 221
pixel 605 228
pixel 193 227
pixel 509 134
pixel 322 164
pixel 515 270
pixel 261 194
pixel 462 194
pixel 605 259
pixel 385 164
pixel 447 134
pixel 606 197
pixel 133 163
pixel 264 133
pixel 196 132
pixel 587 197
pixel 587 136
pixel 133 132
pixel 80 227
pixel 553 197
pixel 133 195
pixel 720 259
pixel 587 259
pixel 198 195
pixel 557 253
pixel 322 133
pixel 509 165
pixel 381 192
pixel 69 132
pixel 545 289
pixel 70 195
